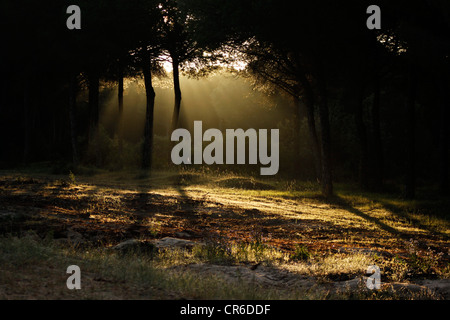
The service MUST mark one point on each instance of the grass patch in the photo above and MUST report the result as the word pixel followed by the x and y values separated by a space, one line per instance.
pixel 32 268
pixel 243 183
pixel 301 254
pixel 336 267
pixel 222 253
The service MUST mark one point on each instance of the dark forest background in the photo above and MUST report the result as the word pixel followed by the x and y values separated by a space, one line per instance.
pixel 352 104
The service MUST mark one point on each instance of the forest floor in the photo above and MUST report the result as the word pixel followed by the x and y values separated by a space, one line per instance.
pixel 212 236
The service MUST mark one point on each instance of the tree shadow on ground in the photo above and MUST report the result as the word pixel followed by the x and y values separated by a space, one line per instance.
pixel 402 213
pixel 397 211
pixel 347 206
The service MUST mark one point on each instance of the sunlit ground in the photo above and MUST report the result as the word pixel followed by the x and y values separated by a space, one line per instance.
pixel 267 224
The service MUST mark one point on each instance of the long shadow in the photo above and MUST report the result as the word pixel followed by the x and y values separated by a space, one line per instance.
pixel 75 211
pixel 345 205
pixel 152 202
pixel 400 213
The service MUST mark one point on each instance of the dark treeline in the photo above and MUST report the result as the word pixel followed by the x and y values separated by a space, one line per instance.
pixel 375 102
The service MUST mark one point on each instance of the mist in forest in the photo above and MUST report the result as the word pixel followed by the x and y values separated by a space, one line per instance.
pixel 222 101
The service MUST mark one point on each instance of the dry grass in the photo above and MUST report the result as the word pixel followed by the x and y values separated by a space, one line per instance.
pixel 263 224
pixel 32 269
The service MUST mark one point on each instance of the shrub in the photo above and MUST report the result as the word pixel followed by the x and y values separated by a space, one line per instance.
pixel 301 253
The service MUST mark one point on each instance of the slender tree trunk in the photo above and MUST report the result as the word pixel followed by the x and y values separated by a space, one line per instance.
pixel 72 116
pixel 410 177
pixel 377 142
pixel 3 114
pixel 94 85
pixel 147 150
pixel 120 100
pixel 26 119
pixel 313 139
pixel 327 182
pixel 362 137
pixel 93 82
pixel 444 138
pixel 299 114
pixel 310 117
pixel 177 91
pixel 309 103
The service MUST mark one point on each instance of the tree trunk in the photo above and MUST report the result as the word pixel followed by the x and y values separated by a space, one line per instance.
pixel 93 81
pixel 72 116
pixel 26 119
pixel 327 182
pixel 313 139
pixel 362 137
pixel 308 94
pixel 444 139
pixel 120 99
pixel 299 114
pixel 410 177
pixel 378 158
pixel 94 84
pixel 177 91
pixel 147 149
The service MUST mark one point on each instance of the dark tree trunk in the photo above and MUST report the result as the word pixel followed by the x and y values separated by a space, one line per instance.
pixel 94 84
pixel 308 95
pixel 26 119
pixel 3 114
pixel 299 114
pixel 444 138
pixel 313 139
pixel 93 81
pixel 72 116
pixel 327 182
pixel 177 91
pixel 378 158
pixel 362 137
pixel 147 149
pixel 410 177
pixel 120 100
